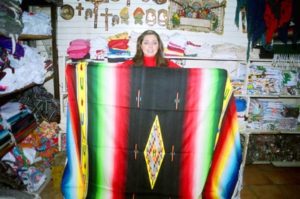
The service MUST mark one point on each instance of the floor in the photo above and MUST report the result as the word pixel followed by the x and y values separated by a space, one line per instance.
pixel 261 181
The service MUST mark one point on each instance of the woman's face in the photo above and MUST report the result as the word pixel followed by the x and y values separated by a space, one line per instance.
pixel 150 45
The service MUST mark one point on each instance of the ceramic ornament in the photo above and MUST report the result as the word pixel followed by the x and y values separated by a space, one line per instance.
pixel 151 17
pixel 138 15
pixel 124 14
pixel 115 20
pixel 162 17
pixel 88 14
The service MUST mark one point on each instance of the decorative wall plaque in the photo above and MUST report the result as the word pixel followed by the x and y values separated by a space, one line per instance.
pixel 204 16
pixel 67 12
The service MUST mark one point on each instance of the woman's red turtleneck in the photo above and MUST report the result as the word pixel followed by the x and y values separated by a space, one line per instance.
pixel 149 62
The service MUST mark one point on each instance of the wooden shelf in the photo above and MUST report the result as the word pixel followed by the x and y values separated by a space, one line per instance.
pixel 48 77
pixel 268 96
pixel 34 37
pixel 270 132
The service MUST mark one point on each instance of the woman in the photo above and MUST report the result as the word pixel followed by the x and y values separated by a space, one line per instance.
pixel 149 52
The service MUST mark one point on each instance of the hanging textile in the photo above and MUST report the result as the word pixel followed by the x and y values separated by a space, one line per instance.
pixel 151 133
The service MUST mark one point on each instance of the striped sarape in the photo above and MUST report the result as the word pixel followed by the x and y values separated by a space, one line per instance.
pixel 150 133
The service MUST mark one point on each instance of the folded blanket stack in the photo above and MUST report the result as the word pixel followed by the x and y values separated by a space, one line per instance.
pixel 10 17
pixel 98 48
pixel 118 45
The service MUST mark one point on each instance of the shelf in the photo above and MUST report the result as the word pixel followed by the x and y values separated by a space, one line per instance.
pixel 249 131
pixel 48 77
pixel 268 96
pixel 34 37
pixel 286 164
pixel 204 59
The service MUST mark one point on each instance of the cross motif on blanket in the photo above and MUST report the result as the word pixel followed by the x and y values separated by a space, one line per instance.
pixel 177 100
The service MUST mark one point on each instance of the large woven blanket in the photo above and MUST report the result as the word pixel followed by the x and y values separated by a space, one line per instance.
pixel 150 133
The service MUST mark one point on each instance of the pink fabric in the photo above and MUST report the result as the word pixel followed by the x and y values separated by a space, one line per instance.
pixel 78 48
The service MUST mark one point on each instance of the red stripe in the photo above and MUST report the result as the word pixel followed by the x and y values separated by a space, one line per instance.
pixel 122 126
pixel 189 126
pixel 73 108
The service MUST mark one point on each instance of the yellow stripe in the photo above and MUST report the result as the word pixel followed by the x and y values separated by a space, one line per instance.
pixel 227 95
pixel 82 107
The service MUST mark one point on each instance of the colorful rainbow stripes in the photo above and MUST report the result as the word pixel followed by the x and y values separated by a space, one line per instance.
pixel 198 124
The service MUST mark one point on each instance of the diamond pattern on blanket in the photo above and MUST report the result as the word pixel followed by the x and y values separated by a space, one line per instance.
pixel 154 152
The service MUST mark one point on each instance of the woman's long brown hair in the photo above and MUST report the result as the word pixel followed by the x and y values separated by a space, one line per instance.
pixel 138 59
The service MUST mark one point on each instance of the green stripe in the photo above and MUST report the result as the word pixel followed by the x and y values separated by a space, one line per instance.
pixel 96 93
pixel 215 98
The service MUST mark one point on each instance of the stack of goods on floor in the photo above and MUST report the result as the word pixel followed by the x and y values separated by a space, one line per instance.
pixel 118 48
pixel 17 121
pixel 30 158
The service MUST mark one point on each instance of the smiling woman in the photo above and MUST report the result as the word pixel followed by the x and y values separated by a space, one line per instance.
pixel 150 52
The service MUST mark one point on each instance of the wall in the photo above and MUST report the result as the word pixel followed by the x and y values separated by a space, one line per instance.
pixel 80 28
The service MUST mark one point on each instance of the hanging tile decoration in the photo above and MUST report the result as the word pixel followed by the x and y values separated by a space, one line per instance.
pixel 138 15
pixel 88 14
pixel 160 1
pixel 115 20
pixel 124 14
pixel 162 17
pixel 150 17
pixel 67 12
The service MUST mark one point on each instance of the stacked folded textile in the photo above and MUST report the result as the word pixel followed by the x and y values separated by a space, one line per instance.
pixel 21 68
pixel 179 45
pixel 98 48
pixel 79 49
pixel 18 119
pixel 10 17
pixel 36 23
pixel 5 137
pixel 176 46
pixel 118 46
pixel 272 115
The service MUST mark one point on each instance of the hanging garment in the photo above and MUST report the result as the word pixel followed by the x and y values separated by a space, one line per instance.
pixel 277 14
